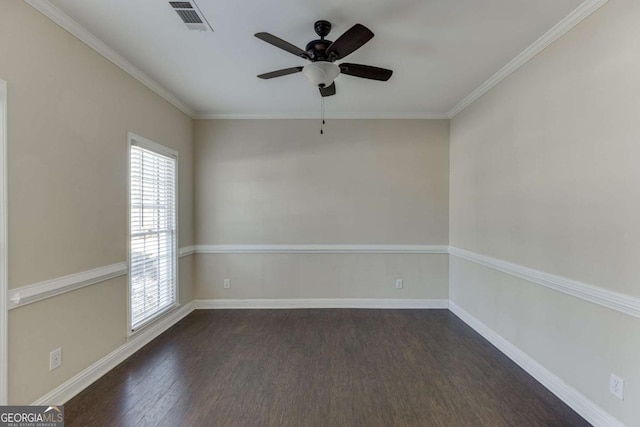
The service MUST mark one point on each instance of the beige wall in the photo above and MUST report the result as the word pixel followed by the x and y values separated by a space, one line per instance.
pixel 544 173
pixel 356 276
pixel 281 182
pixel 68 116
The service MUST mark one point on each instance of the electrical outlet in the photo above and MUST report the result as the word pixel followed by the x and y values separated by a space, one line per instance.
pixel 399 283
pixel 227 283
pixel 55 359
pixel 616 386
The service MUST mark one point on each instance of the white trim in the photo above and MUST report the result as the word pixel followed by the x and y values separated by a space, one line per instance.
pixel 150 145
pixel 321 249
pixel 623 303
pixel 4 245
pixel 186 251
pixel 66 22
pixel 557 31
pixel 569 395
pixel 24 295
pixel 61 394
pixel 29 294
pixel 137 140
pixel 328 115
pixel 209 304
pixel 85 36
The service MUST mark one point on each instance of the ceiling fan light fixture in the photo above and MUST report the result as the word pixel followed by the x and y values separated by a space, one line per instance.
pixel 321 73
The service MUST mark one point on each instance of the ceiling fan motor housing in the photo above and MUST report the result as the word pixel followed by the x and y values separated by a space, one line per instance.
pixel 316 50
pixel 321 73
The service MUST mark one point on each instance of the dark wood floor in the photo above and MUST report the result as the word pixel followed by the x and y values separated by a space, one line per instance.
pixel 319 368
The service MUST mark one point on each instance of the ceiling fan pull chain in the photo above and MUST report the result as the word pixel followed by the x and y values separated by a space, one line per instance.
pixel 322 115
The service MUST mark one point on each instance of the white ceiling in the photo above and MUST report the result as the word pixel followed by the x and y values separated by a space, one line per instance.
pixel 440 50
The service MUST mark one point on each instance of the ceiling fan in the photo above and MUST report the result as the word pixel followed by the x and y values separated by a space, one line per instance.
pixel 322 71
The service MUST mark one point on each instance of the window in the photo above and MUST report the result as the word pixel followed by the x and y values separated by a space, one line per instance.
pixel 153 237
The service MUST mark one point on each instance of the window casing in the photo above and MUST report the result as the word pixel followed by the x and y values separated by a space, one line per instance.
pixel 153 252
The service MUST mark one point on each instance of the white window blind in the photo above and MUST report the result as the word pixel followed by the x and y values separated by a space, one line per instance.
pixel 153 252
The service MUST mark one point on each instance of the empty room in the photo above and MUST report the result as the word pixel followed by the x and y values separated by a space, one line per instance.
pixel 320 213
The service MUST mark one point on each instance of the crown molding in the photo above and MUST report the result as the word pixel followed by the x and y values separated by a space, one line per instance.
pixel 332 116
pixel 561 28
pixel 66 22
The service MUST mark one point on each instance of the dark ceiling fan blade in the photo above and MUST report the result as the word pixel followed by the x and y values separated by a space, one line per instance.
pixel 353 39
pixel 366 71
pixel 329 90
pixel 284 45
pixel 279 73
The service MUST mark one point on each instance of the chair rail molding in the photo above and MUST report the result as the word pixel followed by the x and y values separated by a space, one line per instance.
pixel 186 251
pixel 623 303
pixel 50 288
pixel 321 249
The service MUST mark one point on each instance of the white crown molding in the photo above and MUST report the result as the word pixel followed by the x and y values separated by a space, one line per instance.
pixel 558 30
pixel 64 392
pixel 19 297
pixel 622 303
pixel 186 251
pixel 321 249
pixel 328 115
pixel 569 395
pixel 84 35
pixel 66 22
pixel 210 304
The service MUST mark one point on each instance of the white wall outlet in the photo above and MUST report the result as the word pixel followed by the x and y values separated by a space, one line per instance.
pixel 55 359
pixel 227 283
pixel 616 386
pixel 399 283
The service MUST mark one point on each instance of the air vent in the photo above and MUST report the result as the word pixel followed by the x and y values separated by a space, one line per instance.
pixel 191 15
pixel 181 5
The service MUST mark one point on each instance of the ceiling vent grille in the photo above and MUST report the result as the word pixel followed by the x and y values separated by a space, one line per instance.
pixel 191 15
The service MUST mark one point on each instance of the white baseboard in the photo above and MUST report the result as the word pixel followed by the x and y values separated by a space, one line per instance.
pixel 577 401
pixel 321 303
pixel 569 395
pixel 65 391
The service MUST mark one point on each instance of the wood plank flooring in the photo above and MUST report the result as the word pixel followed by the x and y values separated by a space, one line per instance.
pixel 337 367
